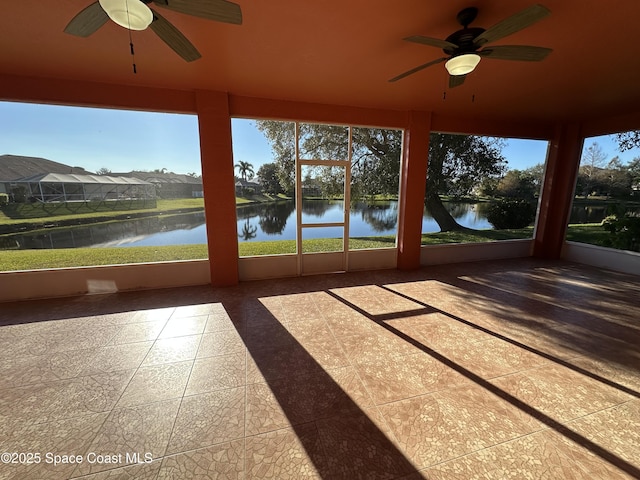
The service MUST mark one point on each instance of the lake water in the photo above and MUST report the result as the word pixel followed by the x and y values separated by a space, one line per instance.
pixel 278 221
pixel 274 221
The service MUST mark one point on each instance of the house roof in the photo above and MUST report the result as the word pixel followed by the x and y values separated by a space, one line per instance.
pixel 73 178
pixel 156 177
pixel 342 53
pixel 13 167
pixel 247 183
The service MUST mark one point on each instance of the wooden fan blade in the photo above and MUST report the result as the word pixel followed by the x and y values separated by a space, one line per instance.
pixel 87 21
pixel 432 42
pixel 217 10
pixel 172 37
pixel 456 80
pixel 524 53
pixel 417 69
pixel 512 24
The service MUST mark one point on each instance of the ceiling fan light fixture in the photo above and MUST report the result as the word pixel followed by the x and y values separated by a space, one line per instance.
pixel 462 64
pixel 130 14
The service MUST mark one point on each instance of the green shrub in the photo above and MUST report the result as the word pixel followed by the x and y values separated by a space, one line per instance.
pixel 511 213
pixel 624 230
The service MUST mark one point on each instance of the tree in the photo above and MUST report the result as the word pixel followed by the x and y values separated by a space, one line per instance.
pixel 634 172
pixel 103 171
pixel 517 184
pixel 592 162
pixel 375 162
pixel 628 140
pixel 618 179
pixel 375 159
pixel 536 174
pixel 458 163
pixel 268 177
pixel 245 169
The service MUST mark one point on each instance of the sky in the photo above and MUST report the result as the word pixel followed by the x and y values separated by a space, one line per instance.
pixel 122 140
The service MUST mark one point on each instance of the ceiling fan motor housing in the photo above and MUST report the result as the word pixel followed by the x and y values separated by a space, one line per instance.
pixel 464 40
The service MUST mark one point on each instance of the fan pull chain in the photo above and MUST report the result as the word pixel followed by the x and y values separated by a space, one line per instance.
pixel 133 55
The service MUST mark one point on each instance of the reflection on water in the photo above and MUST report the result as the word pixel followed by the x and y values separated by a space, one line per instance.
pixel 258 222
pixel 158 230
pixel 278 221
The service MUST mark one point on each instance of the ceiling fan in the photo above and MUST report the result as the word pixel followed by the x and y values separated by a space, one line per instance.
pixel 136 15
pixel 464 48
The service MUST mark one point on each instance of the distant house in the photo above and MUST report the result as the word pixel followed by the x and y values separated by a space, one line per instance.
pixel 170 185
pixel 40 180
pixel 68 187
pixel 16 167
pixel 251 187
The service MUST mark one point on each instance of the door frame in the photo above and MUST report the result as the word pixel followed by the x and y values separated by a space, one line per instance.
pixel 325 262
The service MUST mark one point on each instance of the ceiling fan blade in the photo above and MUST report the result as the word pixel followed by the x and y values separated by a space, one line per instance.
pixel 417 69
pixel 523 53
pixel 217 10
pixel 432 42
pixel 172 37
pixel 512 24
pixel 456 80
pixel 87 21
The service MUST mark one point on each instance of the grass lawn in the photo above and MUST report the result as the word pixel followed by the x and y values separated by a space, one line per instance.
pixel 591 233
pixel 471 236
pixel 64 214
pixel 11 260
pixel 77 257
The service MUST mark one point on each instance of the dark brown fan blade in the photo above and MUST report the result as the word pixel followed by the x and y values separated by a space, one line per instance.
pixel 172 37
pixel 456 80
pixel 432 42
pixel 523 53
pixel 417 69
pixel 87 21
pixel 217 10
pixel 513 24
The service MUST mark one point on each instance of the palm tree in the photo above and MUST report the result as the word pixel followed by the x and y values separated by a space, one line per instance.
pixel 245 169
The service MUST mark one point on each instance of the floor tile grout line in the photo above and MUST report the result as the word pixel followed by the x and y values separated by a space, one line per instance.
pixel 475 452
pixel 515 291
pixel 186 385
pixel 533 350
pixel 577 419
pixel 604 409
pixel 362 382
pixel 115 405
pixel 595 448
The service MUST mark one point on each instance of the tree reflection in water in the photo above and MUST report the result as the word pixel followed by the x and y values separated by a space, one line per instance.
pixel 380 216
pixel 317 208
pixel 248 231
pixel 274 217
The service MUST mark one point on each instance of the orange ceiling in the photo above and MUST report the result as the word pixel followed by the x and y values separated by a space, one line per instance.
pixel 343 53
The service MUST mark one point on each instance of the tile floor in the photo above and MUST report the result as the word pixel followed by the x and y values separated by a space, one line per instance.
pixel 516 369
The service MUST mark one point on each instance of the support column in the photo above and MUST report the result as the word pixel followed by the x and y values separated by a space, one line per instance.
pixel 563 161
pixel 413 176
pixel 219 189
